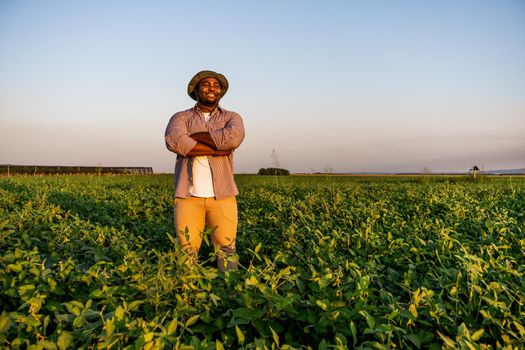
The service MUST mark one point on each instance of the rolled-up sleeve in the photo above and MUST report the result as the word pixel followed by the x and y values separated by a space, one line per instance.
pixel 230 137
pixel 177 136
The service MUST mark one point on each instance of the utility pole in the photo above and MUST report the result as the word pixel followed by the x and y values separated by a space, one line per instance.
pixel 275 159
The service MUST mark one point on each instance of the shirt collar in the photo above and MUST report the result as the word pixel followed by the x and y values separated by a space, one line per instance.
pixel 200 112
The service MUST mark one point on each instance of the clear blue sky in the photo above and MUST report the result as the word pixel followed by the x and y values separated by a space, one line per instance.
pixel 347 85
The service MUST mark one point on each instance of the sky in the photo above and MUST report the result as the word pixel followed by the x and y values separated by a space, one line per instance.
pixel 340 86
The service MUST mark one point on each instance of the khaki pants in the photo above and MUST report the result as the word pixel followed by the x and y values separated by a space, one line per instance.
pixel 192 214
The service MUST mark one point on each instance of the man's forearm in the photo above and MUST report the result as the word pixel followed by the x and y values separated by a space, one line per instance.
pixel 205 138
pixel 230 136
pixel 202 149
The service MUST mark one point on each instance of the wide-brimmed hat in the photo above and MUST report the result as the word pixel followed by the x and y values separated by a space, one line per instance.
pixel 207 74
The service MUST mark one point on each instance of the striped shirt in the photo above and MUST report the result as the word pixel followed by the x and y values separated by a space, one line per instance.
pixel 226 130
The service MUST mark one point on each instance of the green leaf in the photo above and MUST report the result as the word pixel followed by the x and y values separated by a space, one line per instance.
pixel 322 345
pixel 407 314
pixel 248 314
pixel 369 319
pixel 425 337
pixel 15 267
pixel 477 334
pixel 97 294
pixel 192 320
pixel 5 322
pixel 64 318
pixel 26 320
pixel 134 305
pixel 322 304
pixel 519 327
pixel 497 304
pixel 384 328
pixel 172 326
pixel 218 345
pixel 119 313
pixel 26 290
pixel 48 345
pixel 79 321
pixel 3 223
pixel 74 307
pixel 340 341
pixel 252 281
pixel 414 338
pixel 463 330
pixel 393 314
pixel 53 306
pixel 64 340
pixel 485 314
pixel 275 336
pixel 354 332
pixel 240 335
pixel 448 342
pixel 149 336
pixel 109 327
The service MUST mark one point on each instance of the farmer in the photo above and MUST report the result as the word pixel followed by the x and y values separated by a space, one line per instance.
pixel 204 138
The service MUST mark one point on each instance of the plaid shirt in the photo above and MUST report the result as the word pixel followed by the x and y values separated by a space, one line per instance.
pixel 227 131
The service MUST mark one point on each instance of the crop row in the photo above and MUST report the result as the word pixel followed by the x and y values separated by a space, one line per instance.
pixel 325 262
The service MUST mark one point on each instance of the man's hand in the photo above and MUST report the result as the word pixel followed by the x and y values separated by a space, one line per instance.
pixel 205 138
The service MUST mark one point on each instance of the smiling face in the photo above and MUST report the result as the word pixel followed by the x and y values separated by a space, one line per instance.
pixel 208 92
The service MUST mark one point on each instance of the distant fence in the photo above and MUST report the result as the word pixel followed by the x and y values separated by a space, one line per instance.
pixel 8 169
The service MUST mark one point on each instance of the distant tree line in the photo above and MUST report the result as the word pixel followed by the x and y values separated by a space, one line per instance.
pixel 8 169
pixel 273 171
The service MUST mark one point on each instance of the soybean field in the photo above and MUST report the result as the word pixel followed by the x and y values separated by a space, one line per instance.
pixel 326 262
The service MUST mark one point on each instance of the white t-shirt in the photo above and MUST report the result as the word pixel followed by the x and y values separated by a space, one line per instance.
pixel 202 179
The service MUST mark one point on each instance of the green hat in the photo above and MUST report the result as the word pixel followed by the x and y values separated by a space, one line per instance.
pixel 207 74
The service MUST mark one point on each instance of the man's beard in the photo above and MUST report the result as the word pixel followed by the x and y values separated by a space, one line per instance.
pixel 209 103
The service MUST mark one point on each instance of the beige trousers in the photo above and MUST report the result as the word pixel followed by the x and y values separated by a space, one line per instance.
pixel 193 214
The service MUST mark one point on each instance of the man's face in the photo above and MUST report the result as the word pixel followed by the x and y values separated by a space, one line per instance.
pixel 209 91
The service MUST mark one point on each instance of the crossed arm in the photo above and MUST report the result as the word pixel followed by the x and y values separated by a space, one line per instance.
pixel 219 142
pixel 205 146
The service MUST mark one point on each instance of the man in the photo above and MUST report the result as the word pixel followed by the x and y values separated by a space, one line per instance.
pixel 204 138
